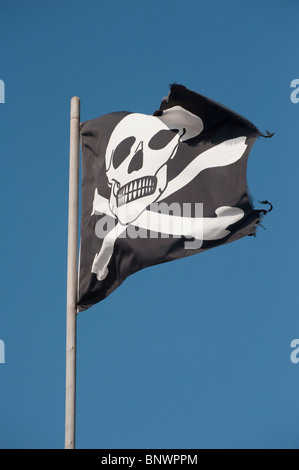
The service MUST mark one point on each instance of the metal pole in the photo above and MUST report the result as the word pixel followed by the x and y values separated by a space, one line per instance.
pixel 72 276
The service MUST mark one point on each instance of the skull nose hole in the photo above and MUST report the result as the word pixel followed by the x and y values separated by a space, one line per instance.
pixel 136 162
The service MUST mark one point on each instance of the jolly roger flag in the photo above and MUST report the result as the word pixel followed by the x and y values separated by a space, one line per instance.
pixel 156 188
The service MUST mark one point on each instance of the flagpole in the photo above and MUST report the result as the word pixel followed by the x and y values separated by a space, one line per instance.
pixel 72 276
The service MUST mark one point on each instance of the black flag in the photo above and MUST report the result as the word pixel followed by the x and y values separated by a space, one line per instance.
pixel 160 187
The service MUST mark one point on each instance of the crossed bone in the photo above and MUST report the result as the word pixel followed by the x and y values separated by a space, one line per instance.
pixel 201 228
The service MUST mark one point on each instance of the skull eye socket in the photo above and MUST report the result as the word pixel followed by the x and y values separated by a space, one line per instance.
pixel 122 151
pixel 162 139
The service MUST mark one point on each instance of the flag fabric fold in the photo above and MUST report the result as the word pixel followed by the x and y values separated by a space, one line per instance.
pixel 156 188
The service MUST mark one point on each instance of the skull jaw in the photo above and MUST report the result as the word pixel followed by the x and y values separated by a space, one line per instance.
pixel 128 212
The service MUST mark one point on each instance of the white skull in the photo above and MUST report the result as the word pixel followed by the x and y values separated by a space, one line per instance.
pixel 136 157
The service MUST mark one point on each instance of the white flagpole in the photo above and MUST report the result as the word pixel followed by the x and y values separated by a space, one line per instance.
pixel 72 276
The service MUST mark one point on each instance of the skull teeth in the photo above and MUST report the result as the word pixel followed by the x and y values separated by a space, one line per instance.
pixel 136 189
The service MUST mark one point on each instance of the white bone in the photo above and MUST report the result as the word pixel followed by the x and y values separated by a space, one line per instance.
pixel 187 122
pixel 201 228
pixel 206 228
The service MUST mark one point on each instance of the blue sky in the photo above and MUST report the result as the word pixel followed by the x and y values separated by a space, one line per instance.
pixel 189 354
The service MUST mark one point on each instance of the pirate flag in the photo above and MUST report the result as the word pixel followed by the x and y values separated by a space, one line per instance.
pixel 160 187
